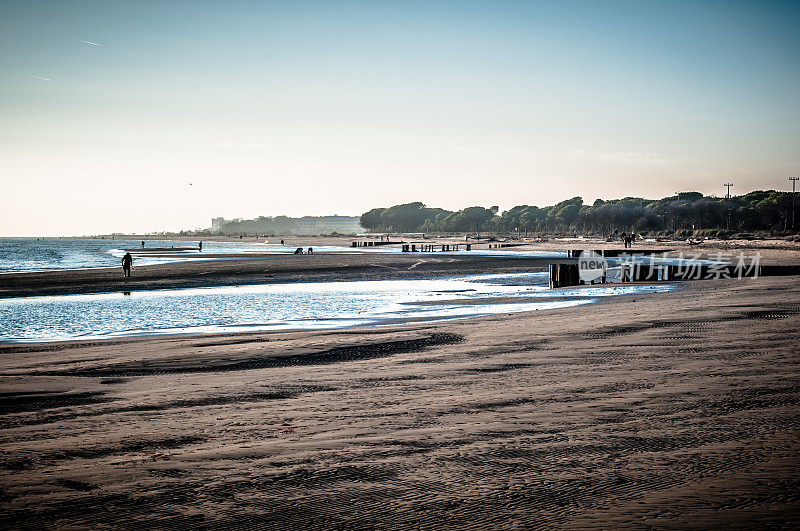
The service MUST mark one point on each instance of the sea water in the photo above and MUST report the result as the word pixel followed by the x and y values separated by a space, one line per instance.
pixel 47 254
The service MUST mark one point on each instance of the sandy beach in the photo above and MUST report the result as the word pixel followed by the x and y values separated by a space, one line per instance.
pixel 389 265
pixel 663 410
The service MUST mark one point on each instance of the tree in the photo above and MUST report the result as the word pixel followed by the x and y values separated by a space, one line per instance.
pixel 372 219
pixel 404 218
pixel 565 213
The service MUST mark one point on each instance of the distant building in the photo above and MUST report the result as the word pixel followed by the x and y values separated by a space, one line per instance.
pixel 307 226
pixel 217 223
pixel 328 224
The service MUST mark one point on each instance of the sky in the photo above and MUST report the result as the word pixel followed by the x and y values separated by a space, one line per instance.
pixel 136 116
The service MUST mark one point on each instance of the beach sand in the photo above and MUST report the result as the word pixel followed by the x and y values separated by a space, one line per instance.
pixel 663 410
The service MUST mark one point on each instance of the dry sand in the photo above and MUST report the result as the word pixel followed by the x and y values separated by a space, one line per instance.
pixel 666 410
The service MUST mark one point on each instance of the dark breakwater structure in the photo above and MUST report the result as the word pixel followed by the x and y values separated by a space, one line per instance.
pixel 505 245
pixel 377 243
pixel 433 247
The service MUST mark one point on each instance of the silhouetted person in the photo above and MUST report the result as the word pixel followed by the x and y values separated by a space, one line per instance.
pixel 299 250
pixel 310 250
pixel 281 242
pixel 624 238
pixel 127 263
pixel 201 246
pixel 142 244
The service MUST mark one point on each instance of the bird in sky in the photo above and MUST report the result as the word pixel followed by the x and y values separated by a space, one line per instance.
pixel 89 42
pixel 43 78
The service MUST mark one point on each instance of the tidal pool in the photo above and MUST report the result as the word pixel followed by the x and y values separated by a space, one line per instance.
pixel 293 306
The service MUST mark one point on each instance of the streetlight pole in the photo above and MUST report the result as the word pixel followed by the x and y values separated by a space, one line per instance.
pixel 728 199
pixel 794 180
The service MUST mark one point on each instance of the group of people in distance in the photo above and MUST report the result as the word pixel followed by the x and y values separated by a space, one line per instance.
pixel 299 250
pixel 628 239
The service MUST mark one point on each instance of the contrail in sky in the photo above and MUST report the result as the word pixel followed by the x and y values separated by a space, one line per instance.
pixel 89 42
pixel 43 78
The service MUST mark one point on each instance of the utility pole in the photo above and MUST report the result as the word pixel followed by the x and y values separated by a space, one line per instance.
pixel 728 199
pixel 794 180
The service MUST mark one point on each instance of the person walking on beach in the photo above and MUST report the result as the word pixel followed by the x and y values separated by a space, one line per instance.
pixel 201 247
pixel 142 244
pixel 127 263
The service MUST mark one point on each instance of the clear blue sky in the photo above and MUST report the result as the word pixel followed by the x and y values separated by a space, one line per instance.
pixel 301 108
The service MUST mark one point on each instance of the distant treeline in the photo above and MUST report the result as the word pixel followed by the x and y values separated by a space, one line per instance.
pixel 757 211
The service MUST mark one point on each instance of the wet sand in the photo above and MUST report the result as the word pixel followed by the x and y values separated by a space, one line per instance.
pixel 666 410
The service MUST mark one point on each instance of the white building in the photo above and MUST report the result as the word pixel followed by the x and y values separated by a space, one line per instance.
pixel 328 224
pixel 216 224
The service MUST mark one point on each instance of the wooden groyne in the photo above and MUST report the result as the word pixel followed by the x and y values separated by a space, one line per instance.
pixel 373 243
pixel 504 245
pixel 562 275
pixel 435 247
